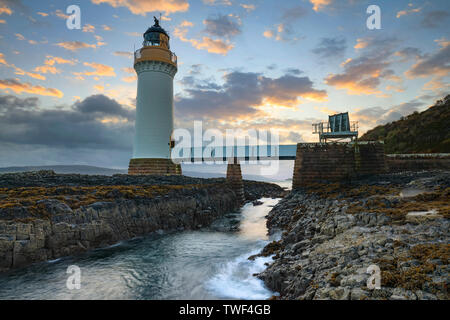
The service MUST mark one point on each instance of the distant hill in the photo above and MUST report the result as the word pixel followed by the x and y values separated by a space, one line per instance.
pixel 78 169
pixel 424 132
pixel 206 175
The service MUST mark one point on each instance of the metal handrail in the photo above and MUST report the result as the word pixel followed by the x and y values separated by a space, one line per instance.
pixel 324 127
pixel 173 56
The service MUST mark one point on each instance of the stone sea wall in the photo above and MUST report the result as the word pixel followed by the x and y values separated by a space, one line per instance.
pixel 417 162
pixel 320 162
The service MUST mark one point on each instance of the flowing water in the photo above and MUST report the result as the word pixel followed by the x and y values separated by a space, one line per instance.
pixel 206 264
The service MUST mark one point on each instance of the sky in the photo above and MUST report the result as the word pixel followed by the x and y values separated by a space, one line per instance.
pixel 68 96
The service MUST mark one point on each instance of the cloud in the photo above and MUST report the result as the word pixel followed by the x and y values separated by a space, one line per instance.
pixel 92 131
pixel 363 75
pixel 293 14
pixel 268 34
pixel 142 7
pixel 284 31
pixel 408 53
pixel 217 46
pixel 10 6
pixel 241 95
pixel 374 116
pixel 10 102
pixel 42 14
pixel 133 34
pixel 100 70
pixel 5 10
pixel 49 65
pixel 433 19
pixel 248 7
pixel 123 54
pixel 75 45
pixel 103 106
pixel 213 46
pixel 221 26
pixel 319 5
pixel 20 71
pixel 2 59
pixel 293 71
pixel 61 14
pixel 131 78
pixel 19 87
pixel 334 5
pixel 330 47
pixel 217 2
pixel 408 11
pixel 436 64
pixel 88 28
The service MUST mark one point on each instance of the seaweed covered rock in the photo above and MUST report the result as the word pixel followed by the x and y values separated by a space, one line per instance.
pixel 331 234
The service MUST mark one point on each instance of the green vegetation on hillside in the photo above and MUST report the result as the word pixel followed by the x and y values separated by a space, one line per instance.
pixel 424 132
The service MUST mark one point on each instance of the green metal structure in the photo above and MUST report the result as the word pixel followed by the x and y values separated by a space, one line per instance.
pixel 338 127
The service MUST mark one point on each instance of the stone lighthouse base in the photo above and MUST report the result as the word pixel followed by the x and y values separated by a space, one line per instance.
pixel 153 167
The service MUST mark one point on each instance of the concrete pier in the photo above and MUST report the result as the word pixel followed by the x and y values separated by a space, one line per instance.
pixel 333 162
pixel 234 177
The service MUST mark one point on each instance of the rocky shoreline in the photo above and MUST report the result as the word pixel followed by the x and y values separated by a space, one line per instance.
pixel 331 234
pixel 44 216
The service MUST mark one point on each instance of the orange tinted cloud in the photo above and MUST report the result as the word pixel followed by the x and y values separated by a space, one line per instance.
pixel 216 46
pixel 75 45
pixel 248 7
pixel 361 43
pixel 49 65
pixel 129 79
pixel 141 7
pixel 436 64
pixel 100 70
pixel 268 34
pixel 123 54
pixel 30 74
pixel 20 71
pixel 408 11
pixel 360 76
pixel 88 28
pixel 2 59
pixel 5 10
pixel 19 87
pixel 320 4
pixel 213 46
pixel 61 15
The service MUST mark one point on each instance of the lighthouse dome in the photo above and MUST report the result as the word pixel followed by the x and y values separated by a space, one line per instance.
pixel 156 36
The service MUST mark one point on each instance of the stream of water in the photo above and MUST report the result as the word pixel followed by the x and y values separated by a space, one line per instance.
pixel 205 264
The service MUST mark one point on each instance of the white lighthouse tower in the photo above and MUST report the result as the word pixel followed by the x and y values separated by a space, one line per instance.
pixel 156 67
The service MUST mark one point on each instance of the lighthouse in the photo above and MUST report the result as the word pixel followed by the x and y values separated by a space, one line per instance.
pixel 156 67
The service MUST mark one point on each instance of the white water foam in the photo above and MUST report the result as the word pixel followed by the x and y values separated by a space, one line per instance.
pixel 235 279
